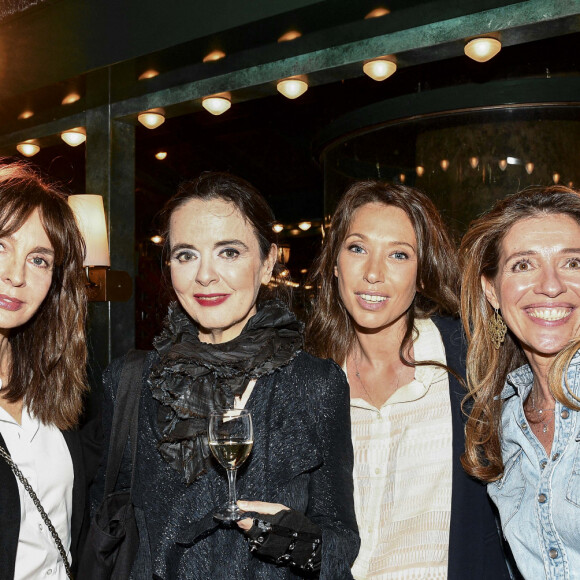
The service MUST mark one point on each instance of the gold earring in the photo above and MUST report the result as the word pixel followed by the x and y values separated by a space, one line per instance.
pixel 497 329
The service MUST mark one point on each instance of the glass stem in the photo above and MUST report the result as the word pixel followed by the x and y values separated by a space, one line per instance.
pixel 232 488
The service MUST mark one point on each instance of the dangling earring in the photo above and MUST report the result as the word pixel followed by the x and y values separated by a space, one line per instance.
pixel 497 329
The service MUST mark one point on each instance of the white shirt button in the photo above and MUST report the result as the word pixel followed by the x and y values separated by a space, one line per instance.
pixel 49 572
pixel 40 527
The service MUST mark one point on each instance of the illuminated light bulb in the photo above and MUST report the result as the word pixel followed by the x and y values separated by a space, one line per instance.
pixel 290 35
pixel 74 137
pixel 294 231
pixel 292 88
pixel 216 104
pixel 71 98
pixel 148 74
pixel 556 177
pixel 482 49
pixel 308 287
pixel 151 119
pixel 420 170
pixel 25 115
pixel 285 272
pixel 156 239
pixel 529 168
pixel 402 178
pixel 304 271
pixel 377 13
pixel 474 162
pixel 161 155
pixel 277 228
pixel 304 226
pixel 502 164
pixel 214 55
pixel 444 163
pixel 28 148
pixel 379 69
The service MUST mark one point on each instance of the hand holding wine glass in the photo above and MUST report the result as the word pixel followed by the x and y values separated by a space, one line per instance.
pixel 231 439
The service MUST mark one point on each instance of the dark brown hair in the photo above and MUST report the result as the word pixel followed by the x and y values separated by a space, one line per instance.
pixel 329 332
pixel 251 205
pixel 487 367
pixel 48 353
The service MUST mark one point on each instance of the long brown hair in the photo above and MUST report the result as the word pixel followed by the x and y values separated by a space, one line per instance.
pixel 48 353
pixel 251 205
pixel 330 332
pixel 487 367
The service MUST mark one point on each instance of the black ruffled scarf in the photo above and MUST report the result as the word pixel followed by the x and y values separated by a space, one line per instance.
pixel 195 378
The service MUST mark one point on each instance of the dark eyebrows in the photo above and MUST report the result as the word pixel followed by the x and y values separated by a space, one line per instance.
pixel 42 250
pixel 393 243
pixel 182 246
pixel 220 244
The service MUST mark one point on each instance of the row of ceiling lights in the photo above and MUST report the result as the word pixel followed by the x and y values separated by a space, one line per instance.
pixel 379 69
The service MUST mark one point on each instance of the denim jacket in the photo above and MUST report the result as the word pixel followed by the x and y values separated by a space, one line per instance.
pixel 538 496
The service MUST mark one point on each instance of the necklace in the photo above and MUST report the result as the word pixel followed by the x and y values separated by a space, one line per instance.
pixel 357 374
pixel 540 413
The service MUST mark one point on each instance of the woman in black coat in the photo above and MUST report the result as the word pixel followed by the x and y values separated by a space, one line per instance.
pixel 225 346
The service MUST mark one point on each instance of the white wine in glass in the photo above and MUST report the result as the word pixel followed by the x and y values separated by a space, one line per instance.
pixel 231 439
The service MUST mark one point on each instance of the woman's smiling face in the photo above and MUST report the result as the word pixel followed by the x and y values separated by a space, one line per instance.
pixel 537 287
pixel 216 267
pixel 377 267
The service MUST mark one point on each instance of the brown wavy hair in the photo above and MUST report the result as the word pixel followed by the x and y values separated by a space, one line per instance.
pixel 487 368
pixel 330 332
pixel 251 205
pixel 48 353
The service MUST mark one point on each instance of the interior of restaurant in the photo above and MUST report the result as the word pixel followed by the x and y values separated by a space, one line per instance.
pixel 466 132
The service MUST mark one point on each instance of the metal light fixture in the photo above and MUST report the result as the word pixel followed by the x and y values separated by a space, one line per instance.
pixel 103 284
pixel 379 69
pixel 292 87
pixel 151 119
pixel 482 49
pixel 74 137
pixel 217 104
pixel 28 148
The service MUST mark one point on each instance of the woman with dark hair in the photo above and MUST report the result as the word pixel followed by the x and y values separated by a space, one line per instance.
pixel 387 282
pixel 227 345
pixel 42 377
pixel 521 308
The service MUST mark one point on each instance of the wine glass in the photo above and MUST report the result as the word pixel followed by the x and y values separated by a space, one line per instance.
pixel 231 439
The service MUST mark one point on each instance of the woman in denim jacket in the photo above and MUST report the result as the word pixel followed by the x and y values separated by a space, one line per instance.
pixel 521 311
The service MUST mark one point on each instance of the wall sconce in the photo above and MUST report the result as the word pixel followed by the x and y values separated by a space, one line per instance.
pixel 28 148
pixel 151 119
pixel 74 137
pixel 556 178
pixel 444 163
pixel 502 164
pixel 529 168
pixel 103 284
pixel 379 69
pixel 217 104
pixel 474 162
pixel 292 87
pixel 482 49
pixel 419 170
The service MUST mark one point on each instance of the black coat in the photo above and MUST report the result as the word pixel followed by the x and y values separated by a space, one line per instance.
pixel 302 458
pixel 475 546
pixel 84 449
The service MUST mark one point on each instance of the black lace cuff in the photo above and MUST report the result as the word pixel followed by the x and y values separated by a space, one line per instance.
pixel 287 538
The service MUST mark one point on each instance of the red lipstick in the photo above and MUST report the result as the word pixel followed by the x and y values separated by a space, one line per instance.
pixel 211 299
pixel 8 303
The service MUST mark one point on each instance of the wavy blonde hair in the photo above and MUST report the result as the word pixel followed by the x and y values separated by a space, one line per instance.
pixel 487 368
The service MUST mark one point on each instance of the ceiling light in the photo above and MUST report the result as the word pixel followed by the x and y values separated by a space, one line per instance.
pixel 277 228
pixel 74 137
pixel 304 226
pixel 161 155
pixel 444 163
pixel 419 170
pixel 377 13
pixel 304 271
pixel 156 239
pixel 482 49
pixel 379 69
pixel 502 164
pixel 556 177
pixel 474 162
pixel 292 87
pixel 294 231
pixel 217 104
pixel 28 148
pixel 71 98
pixel 214 55
pixel 290 35
pixel 25 115
pixel 529 168
pixel 151 119
pixel 148 74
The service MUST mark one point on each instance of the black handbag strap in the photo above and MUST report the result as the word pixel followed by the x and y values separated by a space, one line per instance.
pixel 125 417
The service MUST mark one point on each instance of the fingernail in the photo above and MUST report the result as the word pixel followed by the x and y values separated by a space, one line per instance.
pixel 242 503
